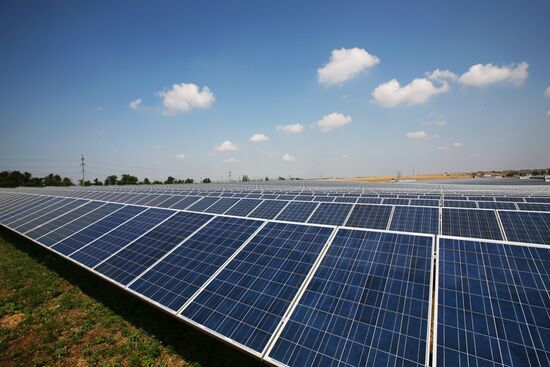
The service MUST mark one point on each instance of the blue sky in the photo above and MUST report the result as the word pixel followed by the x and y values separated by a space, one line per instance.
pixel 210 72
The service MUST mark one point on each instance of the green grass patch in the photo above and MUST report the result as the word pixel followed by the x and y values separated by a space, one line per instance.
pixel 53 313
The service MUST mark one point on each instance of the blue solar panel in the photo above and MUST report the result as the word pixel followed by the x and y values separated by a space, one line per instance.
pixel 268 209
pixel 26 210
pixel 367 304
pixel 415 219
pixel 534 199
pixel 459 204
pixel 91 233
pixel 246 300
pixel 243 207
pixel 202 204
pixel 470 223
pixel 102 248
pixel 493 304
pixel 392 201
pixel 172 200
pixel 51 214
pixel 343 199
pixel 529 227
pixel 534 207
pixel 222 205
pixel 185 202
pixel 177 277
pixel 158 200
pixel 367 200
pixel 297 211
pixel 369 216
pixel 36 212
pixel 496 205
pixel 509 198
pixel 424 202
pixel 135 258
pixel 22 206
pixel 330 213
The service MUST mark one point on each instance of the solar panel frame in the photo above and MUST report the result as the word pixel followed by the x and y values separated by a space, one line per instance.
pixel 331 214
pixel 305 287
pixel 478 224
pixel 370 216
pixel 436 332
pixel 297 211
pixel 525 227
pixel 401 219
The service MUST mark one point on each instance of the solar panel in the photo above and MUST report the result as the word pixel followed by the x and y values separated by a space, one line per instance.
pixel 364 200
pixel 424 202
pixel 99 228
pixel 330 213
pixel 100 249
pixel 392 201
pixel 37 212
pixel 529 227
pixel 202 204
pixel 415 219
pixel 369 216
pixel 221 206
pixel 496 205
pixel 21 211
pixel 185 202
pixel 172 200
pixel 459 204
pixel 534 207
pixel 268 209
pixel 178 276
pixel 470 223
pixel 243 207
pixel 368 304
pixel 135 258
pixel 158 200
pixel 51 214
pixel 534 199
pixel 492 304
pixel 343 199
pixel 297 211
pixel 248 298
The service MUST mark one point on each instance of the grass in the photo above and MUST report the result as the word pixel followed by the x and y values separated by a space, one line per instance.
pixel 53 313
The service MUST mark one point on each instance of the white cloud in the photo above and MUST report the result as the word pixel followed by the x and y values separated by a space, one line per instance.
pixel 457 144
pixel 345 64
pixel 418 91
pixel 480 75
pixel 440 75
pixel 227 146
pixel 290 129
pixel 180 157
pixel 258 138
pixel 135 104
pixel 288 157
pixel 231 160
pixel 547 92
pixel 417 135
pixel 184 97
pixel 332 121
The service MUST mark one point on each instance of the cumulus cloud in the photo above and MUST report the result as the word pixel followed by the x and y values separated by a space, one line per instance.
pixel 457 144
pixel 418 91
pixel 333 121
pixel 288 157
pixel 227 146
pixel 135 104
pixel 417 135
pixel 290 129
pixel 180 156
pixel 345 64
pixel 184 97
pixel 440 75
pixel 258 138
pixel 547 92
pixel 230 160
pixel 480 75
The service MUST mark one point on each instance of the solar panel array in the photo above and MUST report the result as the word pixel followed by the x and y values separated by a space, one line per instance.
pixel 308 274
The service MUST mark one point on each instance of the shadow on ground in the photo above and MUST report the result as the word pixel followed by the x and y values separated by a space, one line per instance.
pixel 191 344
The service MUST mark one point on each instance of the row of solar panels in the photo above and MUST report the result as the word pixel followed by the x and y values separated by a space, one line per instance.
pixel 517 226
pixel 297 295
pixel 483 202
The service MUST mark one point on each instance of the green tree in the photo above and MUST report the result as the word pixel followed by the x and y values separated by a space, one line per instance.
pixel 128 179
pixel 169 180
pixel 146 181
pixel 66 182
pixel 245 178
pixel 189 180
pixel 206 180
pixel 111 180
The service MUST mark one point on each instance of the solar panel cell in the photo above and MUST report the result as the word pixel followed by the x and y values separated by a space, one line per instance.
pixel 369 216
pixel 529 227
pixel 471 223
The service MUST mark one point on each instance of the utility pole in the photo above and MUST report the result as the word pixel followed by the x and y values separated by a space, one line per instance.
pixel 82 167
pixel 229 175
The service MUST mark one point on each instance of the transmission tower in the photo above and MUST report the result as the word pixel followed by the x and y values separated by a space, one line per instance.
pixel 82 167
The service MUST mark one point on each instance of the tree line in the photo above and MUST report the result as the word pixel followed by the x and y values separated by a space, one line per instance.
pixel 17 178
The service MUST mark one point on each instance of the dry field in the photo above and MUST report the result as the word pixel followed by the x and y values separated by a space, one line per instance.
pixel 419 177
